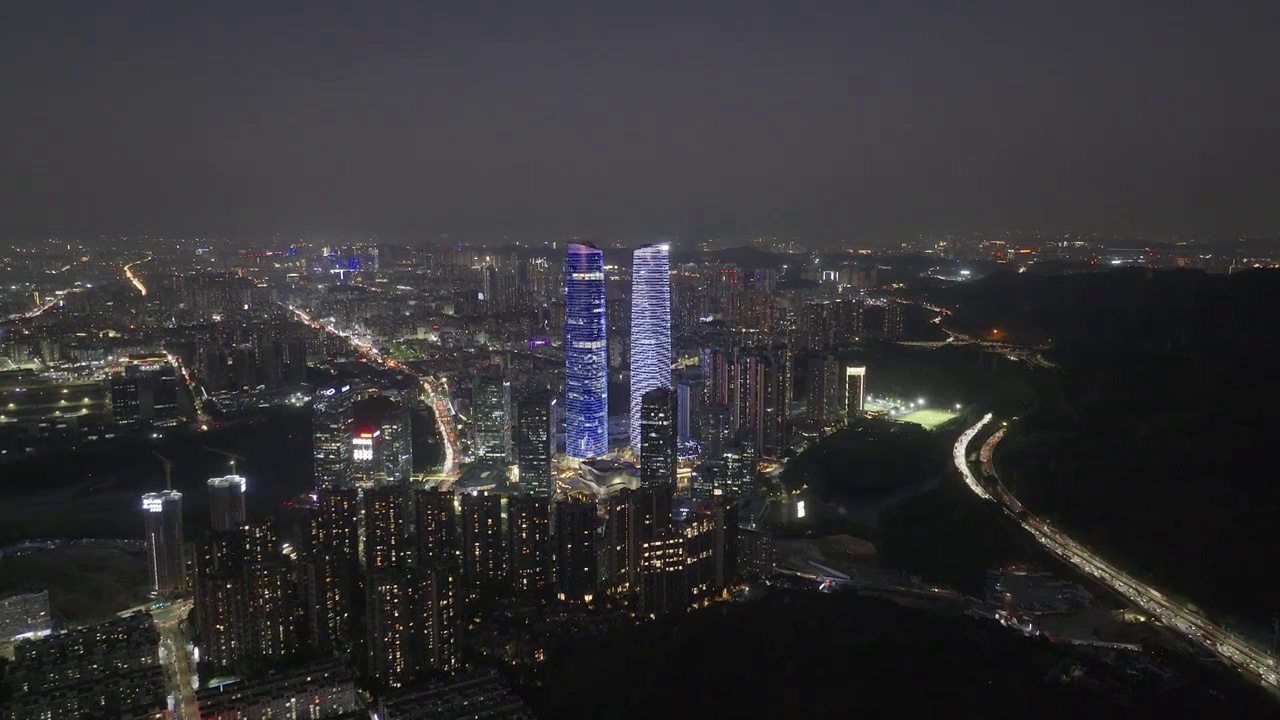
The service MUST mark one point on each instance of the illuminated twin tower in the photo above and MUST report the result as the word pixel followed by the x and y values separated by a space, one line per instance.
pixel 586 352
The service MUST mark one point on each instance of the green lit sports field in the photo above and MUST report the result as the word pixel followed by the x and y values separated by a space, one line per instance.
pixel 929 417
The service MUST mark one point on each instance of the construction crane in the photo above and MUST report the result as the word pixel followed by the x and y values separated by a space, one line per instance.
pixel 229 455
pixel 168 470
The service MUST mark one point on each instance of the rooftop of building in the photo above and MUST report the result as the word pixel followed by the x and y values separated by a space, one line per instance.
pixel 479 477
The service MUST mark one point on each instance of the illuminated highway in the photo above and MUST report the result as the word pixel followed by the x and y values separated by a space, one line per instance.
pixel 128 273
pixel 175 658
pixel 45 304
pixel 178 667
pixel 437 396
pixel 1235 651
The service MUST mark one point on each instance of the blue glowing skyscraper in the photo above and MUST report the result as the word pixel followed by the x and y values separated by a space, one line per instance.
pixel 650 329
pixel 586 354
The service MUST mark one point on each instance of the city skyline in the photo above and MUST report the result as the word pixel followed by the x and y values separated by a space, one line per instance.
pixel 428 360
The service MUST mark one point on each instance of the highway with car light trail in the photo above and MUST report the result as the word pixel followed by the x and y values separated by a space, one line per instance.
pixel 1249 660
pixel 437 396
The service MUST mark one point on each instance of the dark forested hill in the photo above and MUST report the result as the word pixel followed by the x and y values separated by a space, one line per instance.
pixel 809 655
pixel 1156 445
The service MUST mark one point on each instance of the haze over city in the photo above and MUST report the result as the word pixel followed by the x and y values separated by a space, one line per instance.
pixel 871 121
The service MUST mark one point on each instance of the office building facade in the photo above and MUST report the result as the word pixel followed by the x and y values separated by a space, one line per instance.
pixel 658 437
pixel 650 329
pixel 382 442
pixel 226 502
pixel 492 419
pixel 535 439
pixel 586 356
pixel 333 426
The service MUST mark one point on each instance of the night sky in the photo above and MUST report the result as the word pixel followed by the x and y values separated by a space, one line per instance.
pixel 533 120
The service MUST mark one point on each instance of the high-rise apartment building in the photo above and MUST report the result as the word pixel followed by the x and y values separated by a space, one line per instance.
pixel 717 430
pixel 162 519
pixel 586 357
pixel 436 523
pixel 621 540
pixel 226 502
pixel 654 505
pixel 726 286
pixel 296 369
pixel 688 395
pixel 755 551
pixel 650 329
pixel 331 567
pixel 855 390
pixel 691 563
pixel 411 623
pixel 719 381
pixel 333 425
pixel 481 694
pixel 535 438
pixel 110 670
pixel 764 397
pixel 825 400
pixel 330 586
pixel 389 625
pixel 335 524
pixel 576 561
pixel 483 559
pixel 386 527
pixel 24 616
pixel 894 320
pixel 658 437
pixel 529 541
pixel 246 598
pixel 270 359
pixel 492 418
pixel 324 688
pixel 663 578
pixel 739 477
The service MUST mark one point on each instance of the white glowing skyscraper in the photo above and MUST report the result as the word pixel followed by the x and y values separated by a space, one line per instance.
pixel 650 329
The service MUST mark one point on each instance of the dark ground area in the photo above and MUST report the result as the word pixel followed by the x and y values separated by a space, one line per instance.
pixel 951 537
pixel 810 655
pixel 867 459
pixel 86 584
pixel 1153 444
pixel 95 492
